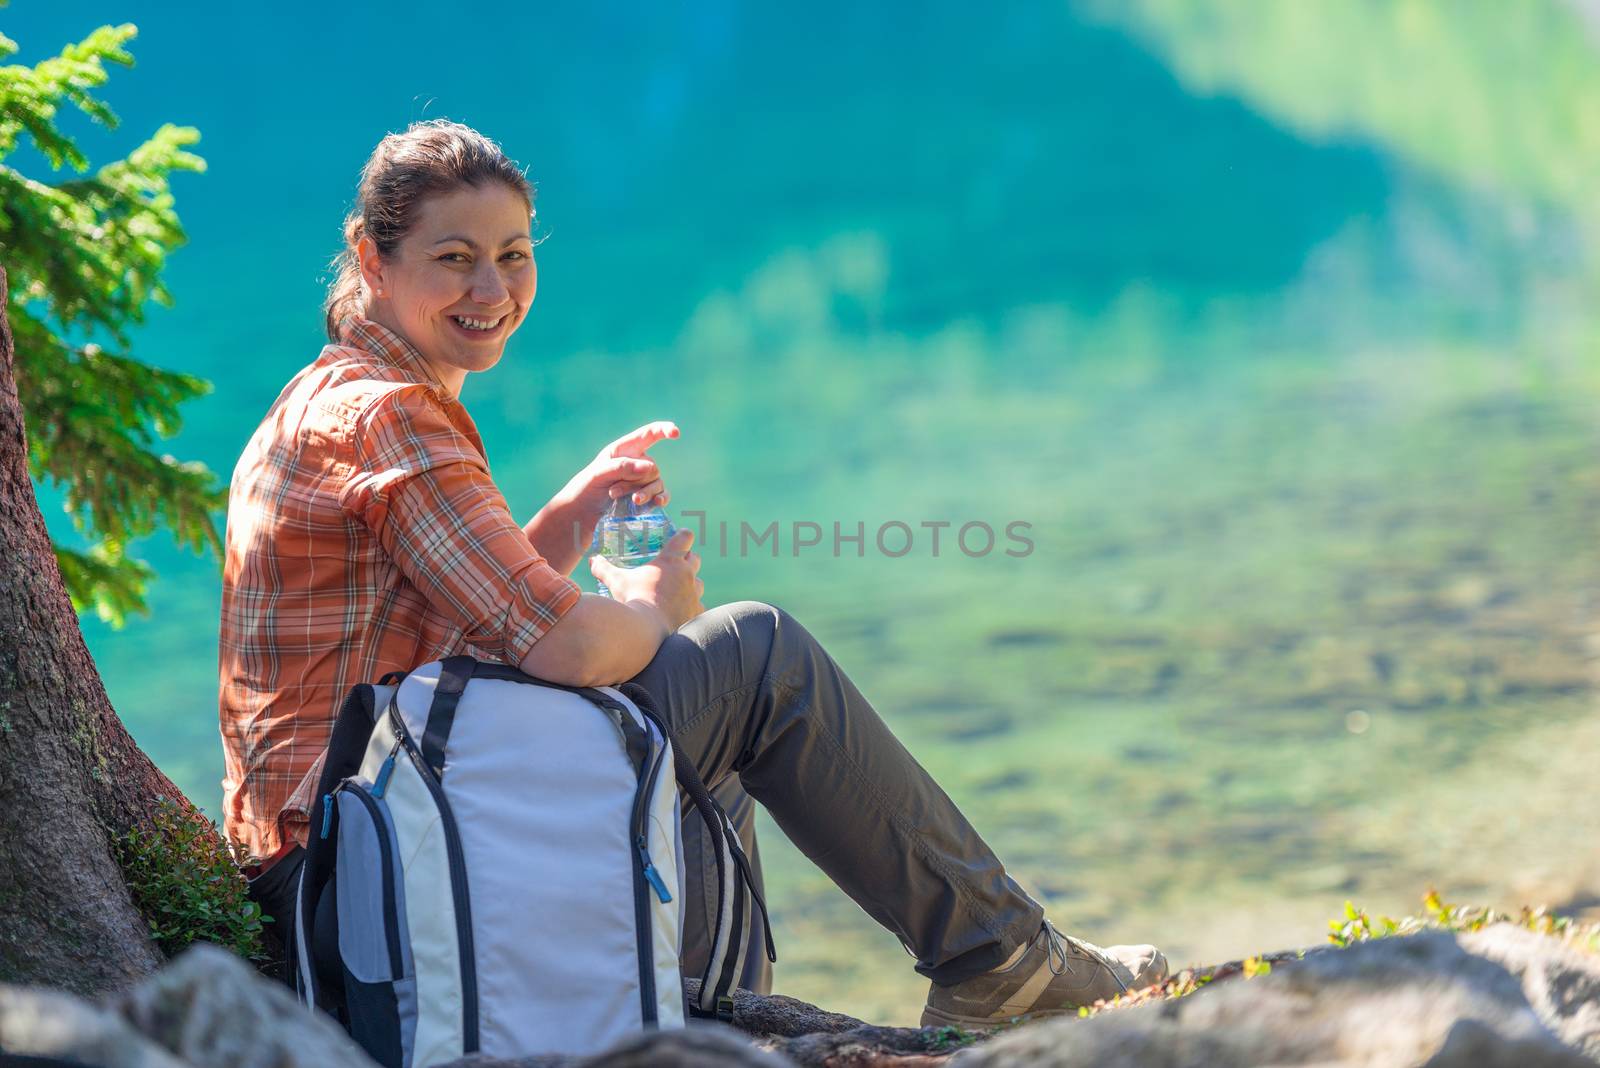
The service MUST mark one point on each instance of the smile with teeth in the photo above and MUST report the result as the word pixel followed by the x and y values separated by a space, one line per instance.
pixel 476 324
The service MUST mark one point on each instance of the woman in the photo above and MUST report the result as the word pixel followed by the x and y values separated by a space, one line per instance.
pixel 365 535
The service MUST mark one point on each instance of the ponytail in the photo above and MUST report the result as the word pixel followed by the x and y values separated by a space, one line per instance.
pixel 347 294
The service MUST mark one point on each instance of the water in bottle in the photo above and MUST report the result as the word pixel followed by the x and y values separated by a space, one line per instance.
pixel 631 534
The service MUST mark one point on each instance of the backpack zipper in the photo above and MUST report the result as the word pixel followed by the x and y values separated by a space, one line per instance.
pixel 641 814
pixel 740 861
pixel 381 783
pixel 651 875
pixel 645 873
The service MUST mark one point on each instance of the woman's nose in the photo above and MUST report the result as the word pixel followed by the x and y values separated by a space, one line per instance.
pixel 487 285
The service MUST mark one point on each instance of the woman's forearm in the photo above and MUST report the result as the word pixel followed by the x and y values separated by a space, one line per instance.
pixel 557 533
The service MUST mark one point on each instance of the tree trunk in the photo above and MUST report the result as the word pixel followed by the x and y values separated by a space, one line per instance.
pixel 71 779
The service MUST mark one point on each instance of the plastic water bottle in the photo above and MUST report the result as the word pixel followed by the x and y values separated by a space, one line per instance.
pixel 631 534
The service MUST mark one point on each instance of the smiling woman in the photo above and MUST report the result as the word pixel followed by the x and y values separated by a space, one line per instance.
pixel 365 535
pixel 455 286
pixel 440 251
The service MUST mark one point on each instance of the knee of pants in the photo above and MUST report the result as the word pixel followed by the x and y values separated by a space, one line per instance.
pixel 762 626
pixel 766 619
pixel 749 611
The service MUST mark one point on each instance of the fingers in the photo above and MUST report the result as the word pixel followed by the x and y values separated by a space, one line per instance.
pixel 679 544
pixel 661 581
pixel 639 476
pixel 636 442
pixel 630 470
pixel 655 490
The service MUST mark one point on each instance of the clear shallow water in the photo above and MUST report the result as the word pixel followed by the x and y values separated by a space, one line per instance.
pixel 1289 370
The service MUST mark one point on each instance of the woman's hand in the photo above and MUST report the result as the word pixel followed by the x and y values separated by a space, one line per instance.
pixel 564 528
pixel 670 582
pixel 620 468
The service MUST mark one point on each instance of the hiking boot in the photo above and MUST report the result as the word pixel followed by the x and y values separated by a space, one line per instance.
pixel 1053 975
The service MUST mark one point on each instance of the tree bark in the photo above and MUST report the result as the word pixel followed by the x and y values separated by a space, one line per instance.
pixel 71 779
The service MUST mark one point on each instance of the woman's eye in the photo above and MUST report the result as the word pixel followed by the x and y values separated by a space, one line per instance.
pixel 515 254
pixel 454 257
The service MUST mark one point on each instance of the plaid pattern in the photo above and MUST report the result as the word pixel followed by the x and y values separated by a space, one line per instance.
pixel 364 535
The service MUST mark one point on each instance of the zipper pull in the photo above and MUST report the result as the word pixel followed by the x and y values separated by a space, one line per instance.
pixel 327 814
pixel 652 876
pixel 382 782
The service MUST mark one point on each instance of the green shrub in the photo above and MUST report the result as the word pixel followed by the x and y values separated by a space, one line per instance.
pixel 188 887
pixel 951 1038
pixel 1358 925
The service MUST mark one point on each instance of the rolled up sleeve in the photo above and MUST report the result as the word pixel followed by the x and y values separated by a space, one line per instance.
pixel 422 487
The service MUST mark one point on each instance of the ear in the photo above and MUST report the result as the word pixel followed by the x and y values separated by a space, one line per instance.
pixel 372 266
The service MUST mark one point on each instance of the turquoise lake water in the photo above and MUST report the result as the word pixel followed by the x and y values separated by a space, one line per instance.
pixel 1272 324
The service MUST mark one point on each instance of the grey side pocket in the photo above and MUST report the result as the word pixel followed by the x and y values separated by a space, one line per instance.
pixel 371 895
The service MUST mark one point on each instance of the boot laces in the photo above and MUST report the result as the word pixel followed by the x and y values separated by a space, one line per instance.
pixel 1057 953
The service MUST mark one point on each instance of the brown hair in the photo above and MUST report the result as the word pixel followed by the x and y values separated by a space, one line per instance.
pixel 436 156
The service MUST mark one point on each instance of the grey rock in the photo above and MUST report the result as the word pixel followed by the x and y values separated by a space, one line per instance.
pixel 1560 982
pixel 1422 1000
pixel 702 1045
pixel 811 1037
pixel 208 1007
pixel 775 1014
pixel 53 1023
pixel 708 1045
pixel 1499 998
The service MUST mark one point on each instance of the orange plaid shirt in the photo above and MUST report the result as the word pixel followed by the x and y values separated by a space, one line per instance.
pixel 364 535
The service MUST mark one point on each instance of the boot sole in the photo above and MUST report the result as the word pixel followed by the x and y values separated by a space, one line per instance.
pixel 932 1017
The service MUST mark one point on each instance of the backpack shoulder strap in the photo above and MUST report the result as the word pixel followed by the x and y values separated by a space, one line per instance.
pixel 737 888
pixel 348 742
pixel 454 674
pixel 735 880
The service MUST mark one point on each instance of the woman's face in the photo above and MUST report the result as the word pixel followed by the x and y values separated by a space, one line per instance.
pixel 461 281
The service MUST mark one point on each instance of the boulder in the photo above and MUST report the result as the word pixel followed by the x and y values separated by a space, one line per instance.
pixel 703 1045
pixel 206 1009
pixel 1422 1000
pixel 53 1023
pixel 768 1031
pixel 1560 982
pixel 1502 997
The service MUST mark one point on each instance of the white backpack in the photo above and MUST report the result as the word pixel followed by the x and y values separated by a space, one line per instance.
pixel 498 861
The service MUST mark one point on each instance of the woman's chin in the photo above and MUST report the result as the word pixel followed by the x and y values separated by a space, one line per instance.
pixel 478 359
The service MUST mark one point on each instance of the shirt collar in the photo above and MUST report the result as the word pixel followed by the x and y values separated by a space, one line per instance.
pixel 375 338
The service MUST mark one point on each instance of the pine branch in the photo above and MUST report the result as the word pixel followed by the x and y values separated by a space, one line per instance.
pixel 30 96
pixel 85 257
